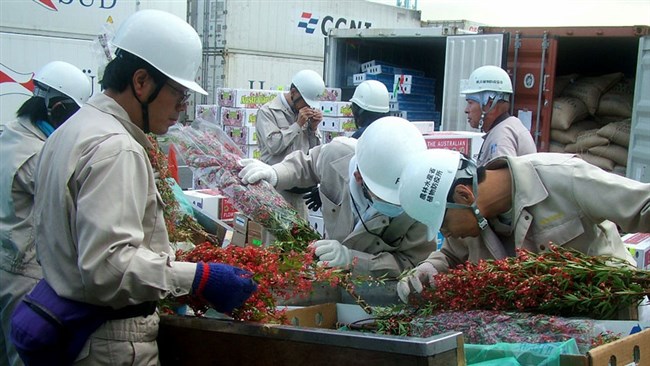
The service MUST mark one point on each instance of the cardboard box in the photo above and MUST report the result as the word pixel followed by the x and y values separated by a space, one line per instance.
pixel 639 246
pixel 336 109
pixel 248 232
pixel 317 223
pixel 245 98
pixel 625 351
pixel 330 94
pixel 468 143
pixel 241 135
pixel 240 222
pixel 251 151
pixel 326 315
pixel 238 117
pixel 330 124
pixel 338 124
pixel 238 239
pixel 207 112
pixel 328 136
pixel 212 203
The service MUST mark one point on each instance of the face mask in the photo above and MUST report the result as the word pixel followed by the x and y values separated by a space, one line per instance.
pixel 387 209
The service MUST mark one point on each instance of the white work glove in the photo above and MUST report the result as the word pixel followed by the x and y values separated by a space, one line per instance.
pixel 422 275
pixel 331 253
pixel 255 170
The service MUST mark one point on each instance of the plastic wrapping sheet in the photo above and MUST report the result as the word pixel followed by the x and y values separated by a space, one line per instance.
pixel 492 327
pixel 214 159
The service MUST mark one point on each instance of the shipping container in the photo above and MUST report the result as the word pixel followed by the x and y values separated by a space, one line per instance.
pixel 537 57
pixel 431 50
pixel 534 58
pixel 261 44
pixel 34 33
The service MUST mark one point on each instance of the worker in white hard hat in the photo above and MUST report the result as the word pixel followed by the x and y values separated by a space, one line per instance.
pixel 488 96
pixel 101 237
pixel 370 102
pixel 365 229
pixel 525 202
pixel 289 123
pixel 60 89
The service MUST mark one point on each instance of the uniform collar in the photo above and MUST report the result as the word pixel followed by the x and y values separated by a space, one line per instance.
pixel 527 186
pixel 108 105
pixel 29 126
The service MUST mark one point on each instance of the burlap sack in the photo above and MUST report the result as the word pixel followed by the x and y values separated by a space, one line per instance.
pixel 566 111
pixel 613 152
pixel 599 161
pixel 625 86
pixel 590 89
pixel 556 147
pixel 569 136
pixel 617 132
pixel 615 104
pixel 605 120
pixel 586 140
pixel 561 83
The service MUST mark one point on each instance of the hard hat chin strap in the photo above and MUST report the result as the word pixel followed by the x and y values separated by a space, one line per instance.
pixel 145 106
pixel 484 113
pixel 482 221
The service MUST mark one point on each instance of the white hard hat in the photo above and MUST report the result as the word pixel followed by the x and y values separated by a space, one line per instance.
pixel 166 42
pixel 488 78
pixel 382 152
pixel 310 85
pixel 371 95
pixel 424 185
pixel 64 78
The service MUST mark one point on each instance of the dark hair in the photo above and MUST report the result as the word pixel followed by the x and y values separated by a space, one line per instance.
pixel 34 108
pixel 363 118
pixel 480 174
pixel 118 72
pixel 61 108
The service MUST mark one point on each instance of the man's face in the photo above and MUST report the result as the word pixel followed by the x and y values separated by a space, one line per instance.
pixel 473 111
pixel 166 108
pixel 460 222
pixel 298 102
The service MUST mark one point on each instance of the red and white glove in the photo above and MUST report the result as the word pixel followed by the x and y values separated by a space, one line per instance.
pixel 422 275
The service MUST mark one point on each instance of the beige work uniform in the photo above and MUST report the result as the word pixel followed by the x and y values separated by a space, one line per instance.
pixel 278 135
pixel 507 138
pixel 101 237
pixel 557 198
pixel 20 144
pixel 401 242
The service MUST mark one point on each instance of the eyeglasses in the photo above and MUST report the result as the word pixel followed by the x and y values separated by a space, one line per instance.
pixel 184 94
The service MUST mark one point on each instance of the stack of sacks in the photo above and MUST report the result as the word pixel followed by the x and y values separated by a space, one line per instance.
pixel 582 108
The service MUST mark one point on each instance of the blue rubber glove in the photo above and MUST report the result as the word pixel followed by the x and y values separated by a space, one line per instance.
pixel 224 286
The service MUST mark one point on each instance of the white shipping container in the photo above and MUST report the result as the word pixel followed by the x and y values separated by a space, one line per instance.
pixel 534 57
pixel 265 71
pixel 34 33
pixel 75 18
pixel 17 68
pixel 290 27
pixel 259 44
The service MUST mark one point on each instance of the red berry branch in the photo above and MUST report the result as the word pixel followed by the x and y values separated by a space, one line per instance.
pixel 560 281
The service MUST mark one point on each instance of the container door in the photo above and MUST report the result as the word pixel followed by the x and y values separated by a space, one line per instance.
pixel 638 162
pixel 463 55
